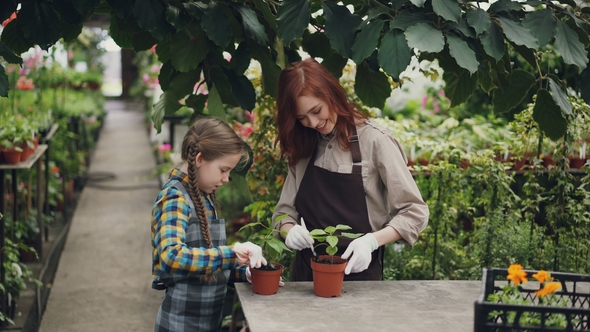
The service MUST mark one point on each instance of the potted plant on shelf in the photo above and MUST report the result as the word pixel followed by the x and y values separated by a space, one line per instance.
pixel 265 279
pixel 328 270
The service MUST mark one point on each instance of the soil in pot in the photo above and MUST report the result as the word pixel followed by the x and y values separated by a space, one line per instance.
pixel 328 275
pixel 265 279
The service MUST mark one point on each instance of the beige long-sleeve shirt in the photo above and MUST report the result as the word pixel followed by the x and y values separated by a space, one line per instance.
pixel 392 197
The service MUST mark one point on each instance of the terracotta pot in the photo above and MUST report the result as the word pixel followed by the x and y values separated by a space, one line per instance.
pixel 328 278
pixel 11 156
pixel 576 162
pixel 548 161
pixel 27 256
pixel 266 282
pixel 27 152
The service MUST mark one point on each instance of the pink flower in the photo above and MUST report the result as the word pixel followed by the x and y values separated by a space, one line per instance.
pixel 164 147
pixel 424 101
pixel 153 48
pixel 24 83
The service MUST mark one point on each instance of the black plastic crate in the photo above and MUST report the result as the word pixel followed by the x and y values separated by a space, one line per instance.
pixel 575 289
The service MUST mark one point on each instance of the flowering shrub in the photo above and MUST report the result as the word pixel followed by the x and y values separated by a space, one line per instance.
pixel 545 296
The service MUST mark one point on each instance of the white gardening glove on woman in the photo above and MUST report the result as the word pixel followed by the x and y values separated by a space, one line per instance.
pixel 298 238
pixel 249 253
pixel 249 277
pixel 361 250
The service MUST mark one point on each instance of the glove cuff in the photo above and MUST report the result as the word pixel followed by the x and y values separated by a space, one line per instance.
pixel 371 241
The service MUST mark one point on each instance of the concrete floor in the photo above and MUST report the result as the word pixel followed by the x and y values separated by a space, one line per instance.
pixel 103 281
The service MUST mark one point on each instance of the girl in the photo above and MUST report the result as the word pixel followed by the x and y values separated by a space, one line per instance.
pixel 344 169
pixel 191 260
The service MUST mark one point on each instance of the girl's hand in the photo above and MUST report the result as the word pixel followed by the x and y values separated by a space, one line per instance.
pixel 249 253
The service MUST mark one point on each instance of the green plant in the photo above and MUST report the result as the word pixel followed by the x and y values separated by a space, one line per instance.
pixel 264 235
pixel 329 237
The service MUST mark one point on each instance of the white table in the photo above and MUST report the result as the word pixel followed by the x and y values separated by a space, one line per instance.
pixel 410 305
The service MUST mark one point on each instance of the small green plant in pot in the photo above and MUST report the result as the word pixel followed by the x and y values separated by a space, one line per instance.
pixel 328 270
pixel 265 279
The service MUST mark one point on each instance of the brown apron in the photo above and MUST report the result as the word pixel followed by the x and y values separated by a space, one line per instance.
pixel 328 198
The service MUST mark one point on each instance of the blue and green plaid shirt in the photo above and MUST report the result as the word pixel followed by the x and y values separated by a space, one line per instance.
pixel 170 216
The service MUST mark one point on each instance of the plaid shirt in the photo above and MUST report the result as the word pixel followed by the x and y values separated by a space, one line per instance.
pixel 170 216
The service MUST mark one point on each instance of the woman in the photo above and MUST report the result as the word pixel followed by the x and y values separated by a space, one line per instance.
pixel 343 169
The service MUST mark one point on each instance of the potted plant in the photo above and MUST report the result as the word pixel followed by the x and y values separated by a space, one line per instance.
pixel 328 270
pixel 265 279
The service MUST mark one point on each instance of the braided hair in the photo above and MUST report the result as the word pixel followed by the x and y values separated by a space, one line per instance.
pixel 214 139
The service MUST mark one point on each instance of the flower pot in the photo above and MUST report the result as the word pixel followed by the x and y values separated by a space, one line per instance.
pixel 265 280
pixel 328 277
pixel 576 162
pixel 11 156
pixel 27 256
pixel 26 153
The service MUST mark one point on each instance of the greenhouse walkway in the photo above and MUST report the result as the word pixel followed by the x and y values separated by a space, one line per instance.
pixel 103 281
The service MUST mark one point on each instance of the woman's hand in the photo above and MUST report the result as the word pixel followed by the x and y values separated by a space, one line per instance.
pixel 249 253
pixel 298 238
pixel 361 250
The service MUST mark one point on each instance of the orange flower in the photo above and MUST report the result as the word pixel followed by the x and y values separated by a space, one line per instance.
pixel 516 274
pixel 55 170
pixel 542 276
pixel 549 288
pixel 24 83
pixel 280 180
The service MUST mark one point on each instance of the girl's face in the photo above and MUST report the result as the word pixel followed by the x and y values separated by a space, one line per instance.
pixel 212 174
pixel 314 113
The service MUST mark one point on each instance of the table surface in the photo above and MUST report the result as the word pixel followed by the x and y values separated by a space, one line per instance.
pixel 29 162
pixel 402 305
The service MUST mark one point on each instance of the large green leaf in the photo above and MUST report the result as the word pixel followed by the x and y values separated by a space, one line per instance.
pixel 526 53
pixel 493 42
pixel 569 46
pixel 335 63
pixel 197 103
pixel 39 23
pixel 406 19
pixel 340 26
pixel 85 6
pixel 447 9
pixel 151 15
pixel 425 38
pixel 242 89
pixel 504 6
pixel 67 12
pixel 196 9
pixel 459 86
pixel 186 52
pixel 121 32
pixel 542 24
pixel 121 8
pixel 216 25
pixel 479 20
pixel 269 17
pixel 70 32
pixel 8 55
pixel 163 50
pixel 484 77
pixel 7 7
pixel 418 3
pixel 560 97
pixel 183 84
pixel 517 33
pixel 270 73
pixel 372 87
pixel 292 19
pixel 317 45
pixel 508 97
pixel 366 41
pixel 241 58
pixel 4 85
pixel 214 104
pixel 167 104
pixel 549 116
pixel 178 18
pixel 394 54
pixel 464 56
pixel 14 38
pixel 251 25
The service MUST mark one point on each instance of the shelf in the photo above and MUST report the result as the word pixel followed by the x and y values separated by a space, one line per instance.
pixel 29 162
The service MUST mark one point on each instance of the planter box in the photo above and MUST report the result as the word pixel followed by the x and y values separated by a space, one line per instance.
pixel 494 316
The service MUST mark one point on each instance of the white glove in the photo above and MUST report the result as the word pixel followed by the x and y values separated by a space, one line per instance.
pixel 249 277
pixel 298 238
pixel 361 250
pixel 249 253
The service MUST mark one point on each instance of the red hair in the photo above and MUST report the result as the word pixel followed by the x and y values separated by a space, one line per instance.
pixel 309 78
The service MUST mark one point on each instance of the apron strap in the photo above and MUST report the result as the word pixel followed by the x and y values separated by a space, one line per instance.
pixel 355 151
